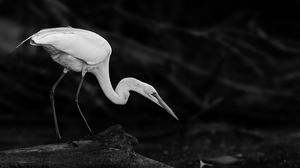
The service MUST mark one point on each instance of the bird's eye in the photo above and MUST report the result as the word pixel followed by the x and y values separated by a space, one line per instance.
pixel 154 94
pixel 32 42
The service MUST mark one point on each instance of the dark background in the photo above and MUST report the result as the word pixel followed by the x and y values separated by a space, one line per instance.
pixel 233 62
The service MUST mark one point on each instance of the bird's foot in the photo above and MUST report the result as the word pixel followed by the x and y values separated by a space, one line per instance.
pixel 69 142
pixel 91 134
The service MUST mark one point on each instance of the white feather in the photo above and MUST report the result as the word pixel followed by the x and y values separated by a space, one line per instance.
pixel 82 44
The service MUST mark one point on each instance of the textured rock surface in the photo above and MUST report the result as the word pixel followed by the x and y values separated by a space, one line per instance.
pixel 110 148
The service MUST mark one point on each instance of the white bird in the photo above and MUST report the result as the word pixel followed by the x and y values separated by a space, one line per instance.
pixel 84 51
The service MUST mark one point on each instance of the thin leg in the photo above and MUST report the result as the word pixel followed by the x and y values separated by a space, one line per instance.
pixel 52 93
pixel 78 107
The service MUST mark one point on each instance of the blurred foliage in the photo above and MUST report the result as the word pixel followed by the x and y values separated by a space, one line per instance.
pixel 233 60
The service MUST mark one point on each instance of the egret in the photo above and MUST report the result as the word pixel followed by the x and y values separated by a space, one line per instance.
pixel 84 51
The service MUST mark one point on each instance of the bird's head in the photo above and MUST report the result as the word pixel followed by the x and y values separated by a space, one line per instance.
pixel 150 93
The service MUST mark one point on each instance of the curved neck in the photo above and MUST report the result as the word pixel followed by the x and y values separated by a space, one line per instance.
pixel 101 71
pixel 121 94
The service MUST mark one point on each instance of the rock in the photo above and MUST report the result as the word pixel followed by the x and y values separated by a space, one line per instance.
pixel 110 148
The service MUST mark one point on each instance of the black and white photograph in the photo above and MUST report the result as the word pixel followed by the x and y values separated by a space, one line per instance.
pixel 149 84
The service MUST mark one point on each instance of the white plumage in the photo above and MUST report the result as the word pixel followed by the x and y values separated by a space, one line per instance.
pixel 85 51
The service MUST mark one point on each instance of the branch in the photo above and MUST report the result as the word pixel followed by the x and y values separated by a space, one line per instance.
pixel 243 57
pixel 110 148
pixel 154 56
pixel 279 44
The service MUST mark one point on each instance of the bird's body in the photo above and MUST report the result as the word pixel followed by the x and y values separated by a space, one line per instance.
pixel 65 46
pixel 85 51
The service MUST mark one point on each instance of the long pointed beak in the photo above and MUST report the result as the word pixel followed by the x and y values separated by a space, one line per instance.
pixel 25 41
pixel 162 104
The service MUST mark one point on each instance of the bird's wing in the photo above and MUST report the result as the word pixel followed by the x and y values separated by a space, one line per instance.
pixel 82 44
